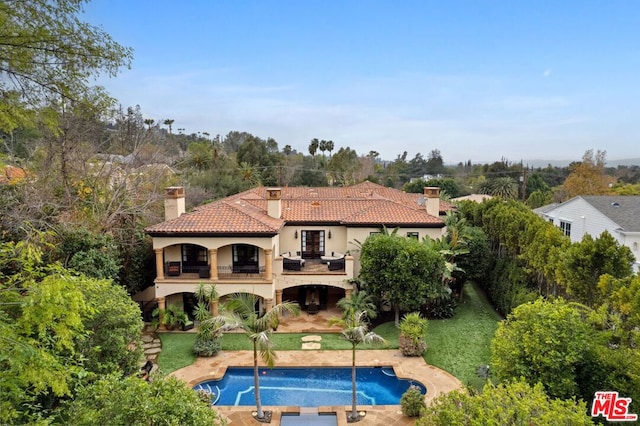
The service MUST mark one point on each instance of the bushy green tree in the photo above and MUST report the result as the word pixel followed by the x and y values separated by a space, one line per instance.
pixel 95 255
pixel 543 341
pixel 112 342
pixel 400 270
pixel 509 404
pixel 583 263
pixel 115 401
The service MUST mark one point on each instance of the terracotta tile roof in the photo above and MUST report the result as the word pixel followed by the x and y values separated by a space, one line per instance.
pixel 11 174
pixel 358 205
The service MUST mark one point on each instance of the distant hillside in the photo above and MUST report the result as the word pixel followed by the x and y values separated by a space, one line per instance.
pixel 564 163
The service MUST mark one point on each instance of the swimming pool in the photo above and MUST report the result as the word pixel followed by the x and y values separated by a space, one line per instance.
pixel 308 386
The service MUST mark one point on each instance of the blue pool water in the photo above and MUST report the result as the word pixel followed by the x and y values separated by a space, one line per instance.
pixel 308 386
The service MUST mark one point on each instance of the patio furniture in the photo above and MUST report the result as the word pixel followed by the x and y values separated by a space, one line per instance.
pixel 335 255
pixel 291 264
pixel 173 270
pixel 312 309
pixel 204 272
pixel 336 265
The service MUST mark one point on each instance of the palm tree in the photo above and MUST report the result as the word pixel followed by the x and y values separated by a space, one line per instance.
pixel 242 313
pixel 313 147
pixel 169 122
pixel 330 147
pixel 504 187
pixel 356 331
pixel 356 302
pixel 322 147
pixel 149 122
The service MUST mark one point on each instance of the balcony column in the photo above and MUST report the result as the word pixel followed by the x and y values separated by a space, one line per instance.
pixel 278 297
pixel 159 264
pixel 161 307
pixel 268 304
pixel 213 264
pixel 268 260
pixel 213 306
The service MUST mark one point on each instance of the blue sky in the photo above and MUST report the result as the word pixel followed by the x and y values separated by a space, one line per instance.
pixel 477 80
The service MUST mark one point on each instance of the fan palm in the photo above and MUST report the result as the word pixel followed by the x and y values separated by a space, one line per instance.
pixel 242 314
pixel 356 302
pixel 355 330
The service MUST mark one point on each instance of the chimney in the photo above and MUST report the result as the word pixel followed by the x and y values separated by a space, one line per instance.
pixel 432 197
pixel 173 202
pixel 274 202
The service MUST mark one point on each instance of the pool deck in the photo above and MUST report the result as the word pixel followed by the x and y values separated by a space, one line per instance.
pixel 437 381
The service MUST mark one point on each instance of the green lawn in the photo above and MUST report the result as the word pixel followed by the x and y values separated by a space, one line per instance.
pixel 461 344
pixel 458 345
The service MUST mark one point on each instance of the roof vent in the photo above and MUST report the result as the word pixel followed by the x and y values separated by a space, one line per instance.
pixel 615 204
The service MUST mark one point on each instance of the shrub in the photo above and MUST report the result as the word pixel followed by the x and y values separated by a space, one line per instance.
pixel 413 331
pixel 441 307
pixel 206 347
pixel 412 402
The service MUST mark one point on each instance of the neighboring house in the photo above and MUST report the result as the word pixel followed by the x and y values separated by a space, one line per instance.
pixel 297 244
pixel 594 214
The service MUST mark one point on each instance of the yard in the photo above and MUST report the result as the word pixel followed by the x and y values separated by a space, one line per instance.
pixel 458 345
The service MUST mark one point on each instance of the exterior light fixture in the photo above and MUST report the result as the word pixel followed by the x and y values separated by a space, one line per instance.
pixel 295 234
pixel 329 234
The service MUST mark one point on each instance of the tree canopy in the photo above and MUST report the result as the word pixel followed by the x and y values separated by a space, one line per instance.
pixel 512 403
pixel 48 55
pixel 543 341
pixel 402 271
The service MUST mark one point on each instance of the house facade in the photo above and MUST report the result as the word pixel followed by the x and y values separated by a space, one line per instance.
pixel 620 215
pixel 297 244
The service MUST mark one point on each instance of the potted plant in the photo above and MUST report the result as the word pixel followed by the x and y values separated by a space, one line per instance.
pixel 172 317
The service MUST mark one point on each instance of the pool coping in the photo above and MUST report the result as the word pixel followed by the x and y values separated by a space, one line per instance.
pixel 437 381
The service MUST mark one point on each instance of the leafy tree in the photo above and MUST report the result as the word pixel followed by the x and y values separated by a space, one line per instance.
pixel 356 331
pixel 476 262
pixel 233 140
pixel 542 341
pixel 116 401
pixel 588 176
pixel 447 186
pixel 343 167
pixel 508 404
pixel 112 342
pixel 94 255
pixel 583 263
pixel 402 271
pixel 539 198
pixel 242 314
pixel 435 163
pixel 37 347
pixel 48 53
pixel 622 300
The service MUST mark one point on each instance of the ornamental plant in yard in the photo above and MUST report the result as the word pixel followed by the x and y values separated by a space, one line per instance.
pixel 413 332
